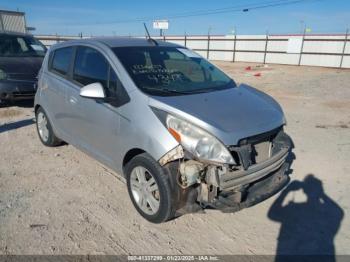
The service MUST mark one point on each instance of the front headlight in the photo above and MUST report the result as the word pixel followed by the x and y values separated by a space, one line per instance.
pixel 3 75
pixel 197 141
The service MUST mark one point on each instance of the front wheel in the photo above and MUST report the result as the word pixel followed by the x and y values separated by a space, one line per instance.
pixel 149 189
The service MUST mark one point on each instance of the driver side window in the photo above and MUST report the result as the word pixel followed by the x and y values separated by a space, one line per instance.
pixel 91 66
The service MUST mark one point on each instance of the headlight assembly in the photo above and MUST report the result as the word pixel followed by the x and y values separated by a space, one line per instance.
pixel 197 141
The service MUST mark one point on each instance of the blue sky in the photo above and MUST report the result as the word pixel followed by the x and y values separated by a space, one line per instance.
pixel 100 17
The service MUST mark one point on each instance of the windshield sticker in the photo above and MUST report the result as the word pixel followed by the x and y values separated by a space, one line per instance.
pixel 158 74
pixel 189 53
pixel 165 79
pixel 37 47
pixel 148 69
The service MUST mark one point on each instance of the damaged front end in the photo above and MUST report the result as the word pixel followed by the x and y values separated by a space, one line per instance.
pixel 260 171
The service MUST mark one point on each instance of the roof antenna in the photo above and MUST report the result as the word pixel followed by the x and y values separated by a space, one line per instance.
pixel 148 36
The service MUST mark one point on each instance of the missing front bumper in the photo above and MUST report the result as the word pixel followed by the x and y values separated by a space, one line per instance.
pixel 191 199
pixel 255 193
pixel 253 173
pixel 220 187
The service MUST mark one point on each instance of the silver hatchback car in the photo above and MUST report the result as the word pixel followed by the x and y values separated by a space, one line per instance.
pixel 181 131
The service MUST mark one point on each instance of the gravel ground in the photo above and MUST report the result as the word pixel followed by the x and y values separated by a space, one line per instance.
pixel 61 201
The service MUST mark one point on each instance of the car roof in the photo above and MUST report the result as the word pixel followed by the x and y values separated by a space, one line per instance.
pixel 130 41
pixel 115 41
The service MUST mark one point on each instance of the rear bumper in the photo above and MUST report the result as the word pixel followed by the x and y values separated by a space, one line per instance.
pixel 17 90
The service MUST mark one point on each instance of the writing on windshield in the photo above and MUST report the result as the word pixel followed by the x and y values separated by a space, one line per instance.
pixel 168 68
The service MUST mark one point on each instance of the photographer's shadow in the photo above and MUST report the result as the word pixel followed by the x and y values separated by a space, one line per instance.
pixel 307 228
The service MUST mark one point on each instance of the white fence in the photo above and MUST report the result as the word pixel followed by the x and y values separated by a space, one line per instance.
pixel 310 50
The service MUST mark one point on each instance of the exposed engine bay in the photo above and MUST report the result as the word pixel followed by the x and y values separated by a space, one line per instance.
pixel 259 173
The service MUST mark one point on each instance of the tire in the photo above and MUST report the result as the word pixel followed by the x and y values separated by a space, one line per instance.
pixel 165 210
pixel 44 129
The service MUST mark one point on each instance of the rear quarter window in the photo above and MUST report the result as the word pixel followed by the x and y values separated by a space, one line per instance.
pixel 61 60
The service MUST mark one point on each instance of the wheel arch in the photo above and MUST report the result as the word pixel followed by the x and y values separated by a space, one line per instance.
pixel 36 107
pixel 130 155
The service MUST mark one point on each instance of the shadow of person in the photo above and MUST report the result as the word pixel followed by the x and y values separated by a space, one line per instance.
pixel 307 228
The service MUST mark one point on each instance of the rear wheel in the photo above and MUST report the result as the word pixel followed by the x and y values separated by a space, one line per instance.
pixel 149 189
pixel 44 128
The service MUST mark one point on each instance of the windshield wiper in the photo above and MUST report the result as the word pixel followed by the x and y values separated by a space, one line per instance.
pixel 212 89
pixel 167 90
pixel 176 92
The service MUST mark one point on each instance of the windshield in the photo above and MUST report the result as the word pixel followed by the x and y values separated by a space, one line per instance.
pixel 171 71
pixel 19 46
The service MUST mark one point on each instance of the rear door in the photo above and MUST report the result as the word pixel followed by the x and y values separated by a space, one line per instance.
pixel 55 86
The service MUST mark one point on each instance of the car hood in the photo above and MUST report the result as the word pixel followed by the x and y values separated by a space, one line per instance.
pixel 21 68
pixel 230 114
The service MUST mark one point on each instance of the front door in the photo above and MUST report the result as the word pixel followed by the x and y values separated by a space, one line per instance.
pixel 95 121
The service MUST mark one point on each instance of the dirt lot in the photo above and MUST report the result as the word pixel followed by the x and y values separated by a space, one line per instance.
pixel 60 201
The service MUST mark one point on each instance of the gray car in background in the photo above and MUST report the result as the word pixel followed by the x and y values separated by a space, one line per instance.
pixel 183 134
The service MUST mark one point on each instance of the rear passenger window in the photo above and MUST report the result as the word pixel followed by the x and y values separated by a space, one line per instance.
pixel 90 67
pixel 61 60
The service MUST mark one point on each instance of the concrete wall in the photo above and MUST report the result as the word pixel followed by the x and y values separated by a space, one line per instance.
pixel 312 50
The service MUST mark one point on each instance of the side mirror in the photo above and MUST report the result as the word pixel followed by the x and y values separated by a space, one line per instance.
pixel 94 90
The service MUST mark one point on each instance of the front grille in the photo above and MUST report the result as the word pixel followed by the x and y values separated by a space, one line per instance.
pixel 261 137
pixel 256 149
pixel 21 77
pixel 23 94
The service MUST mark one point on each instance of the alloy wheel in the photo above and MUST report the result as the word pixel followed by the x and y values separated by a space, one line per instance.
pixel 145 190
